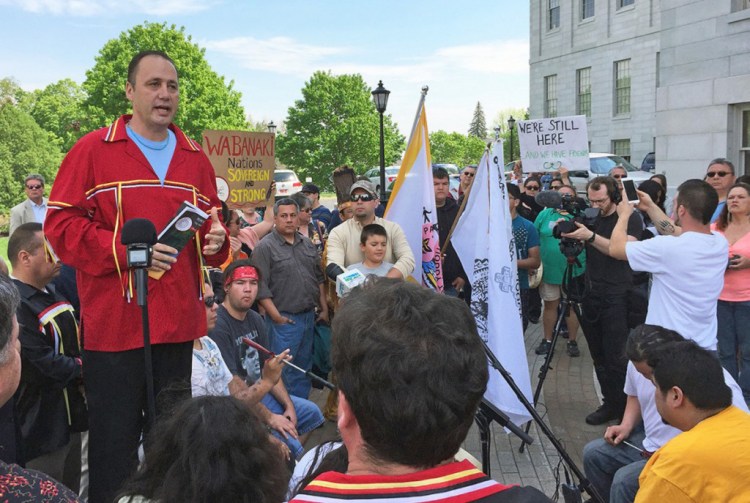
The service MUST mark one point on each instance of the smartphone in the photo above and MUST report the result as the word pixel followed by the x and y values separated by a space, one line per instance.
pixel 630 191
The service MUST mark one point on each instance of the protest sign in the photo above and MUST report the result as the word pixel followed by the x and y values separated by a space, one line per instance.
pixel 244 163
pixel 548 144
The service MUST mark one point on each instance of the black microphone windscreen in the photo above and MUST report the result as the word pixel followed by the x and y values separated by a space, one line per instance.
pixel 548 199
pixel 138 230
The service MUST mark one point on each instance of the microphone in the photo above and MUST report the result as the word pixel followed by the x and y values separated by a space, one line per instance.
pixel 549 199
pixel 271 354
pixel 139 235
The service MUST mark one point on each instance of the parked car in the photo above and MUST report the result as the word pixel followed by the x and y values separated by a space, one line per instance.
pixel 600 165
pixel 373 174
pixel 649 163
pixel 287 182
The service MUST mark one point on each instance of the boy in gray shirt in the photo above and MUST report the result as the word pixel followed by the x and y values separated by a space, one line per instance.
pixel 373 243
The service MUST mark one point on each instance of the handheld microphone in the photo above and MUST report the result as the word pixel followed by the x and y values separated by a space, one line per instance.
pixel 549 199
pixel 271 354
pixel 139 235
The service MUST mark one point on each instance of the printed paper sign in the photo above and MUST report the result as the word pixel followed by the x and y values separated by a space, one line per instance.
pixel 548 144
pixel 244 163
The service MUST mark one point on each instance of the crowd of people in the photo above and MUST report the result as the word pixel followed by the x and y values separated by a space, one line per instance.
pixel 662 285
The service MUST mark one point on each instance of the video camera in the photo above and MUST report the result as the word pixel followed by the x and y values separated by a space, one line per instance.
pixel 588 217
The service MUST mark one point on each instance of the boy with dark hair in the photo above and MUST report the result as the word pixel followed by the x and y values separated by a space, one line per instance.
pixel 373 243
pixel 710 460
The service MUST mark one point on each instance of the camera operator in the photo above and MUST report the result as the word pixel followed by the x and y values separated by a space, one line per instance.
pixel 605 306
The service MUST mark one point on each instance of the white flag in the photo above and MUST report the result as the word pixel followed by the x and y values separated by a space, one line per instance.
pixel 483 239
pixel 412 206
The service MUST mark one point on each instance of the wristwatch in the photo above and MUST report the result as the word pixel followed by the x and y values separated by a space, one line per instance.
pixel 591 239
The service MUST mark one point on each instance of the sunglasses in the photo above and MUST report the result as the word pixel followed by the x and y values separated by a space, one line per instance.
pixel 307 210
pixel 363 197
pixel 720 174
pixel 619 176
pixel 209 301
pixel 468 174
pixel 532 187
pixel 33 187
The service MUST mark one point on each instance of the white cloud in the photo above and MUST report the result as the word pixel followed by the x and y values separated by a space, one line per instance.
pixel 89 8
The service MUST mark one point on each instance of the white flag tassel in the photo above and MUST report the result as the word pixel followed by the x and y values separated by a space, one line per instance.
pixel 483 239
pixel 412 205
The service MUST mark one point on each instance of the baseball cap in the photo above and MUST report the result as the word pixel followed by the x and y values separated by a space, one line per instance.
pixel 310 188
pixel 365 185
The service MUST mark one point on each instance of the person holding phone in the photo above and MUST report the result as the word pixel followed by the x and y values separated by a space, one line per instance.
pixel 605 306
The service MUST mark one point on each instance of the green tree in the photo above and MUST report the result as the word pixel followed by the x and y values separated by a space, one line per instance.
pixel 206 100
pixel 478 126
pixel 456 148
pixel 501 122
pixel 10 91
pixel 335 123
pixel 24 148
pixel 57 109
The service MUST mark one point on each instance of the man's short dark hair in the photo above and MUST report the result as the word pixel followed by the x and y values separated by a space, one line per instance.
pixel 285 201
pixel 301 199
pixel 698 198
pixel 645 339
pixel 513 190
pixel 372 230
pixel 9 301
pixel 723 161
pixel 24 238
pixel 695 371
pixel 133 65
pixel 440 173
pixel 412 368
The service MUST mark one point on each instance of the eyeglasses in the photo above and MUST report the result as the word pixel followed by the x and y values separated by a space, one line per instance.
pixel 720 174
pixel 619 176
pixel 532 187
pixel 209 301
pixel 468 174
pixel 599 201
pixel 33 187
pixel 363 197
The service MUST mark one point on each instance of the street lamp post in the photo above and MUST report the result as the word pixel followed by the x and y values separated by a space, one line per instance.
pixel 271 127
pixel 380 98
pixel 511 126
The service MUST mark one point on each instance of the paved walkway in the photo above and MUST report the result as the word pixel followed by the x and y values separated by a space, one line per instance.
pixel 568 395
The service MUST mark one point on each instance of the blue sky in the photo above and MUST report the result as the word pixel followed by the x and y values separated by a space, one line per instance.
pixel 467 51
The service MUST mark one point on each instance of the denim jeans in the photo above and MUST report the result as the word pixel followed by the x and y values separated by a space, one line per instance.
pixel 614 470
pixel 298 337
pixel 734 341
pixel 308 414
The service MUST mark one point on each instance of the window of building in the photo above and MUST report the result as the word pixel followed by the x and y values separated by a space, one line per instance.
pixel 738 5
pixel 550 96
pixel 583 98
pixel 624 3
pixel 622 87
pixel 621 148
pixel 745 144
pixel 587 9
pixel 554 14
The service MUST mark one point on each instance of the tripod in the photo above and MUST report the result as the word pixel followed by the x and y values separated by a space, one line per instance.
pixel 484 417
pixel 571 297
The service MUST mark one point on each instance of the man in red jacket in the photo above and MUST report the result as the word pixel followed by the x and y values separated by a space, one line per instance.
pixel 142 166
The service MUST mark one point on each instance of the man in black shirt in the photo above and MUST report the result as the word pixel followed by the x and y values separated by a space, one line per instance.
pixel 454 277
pixel 605 307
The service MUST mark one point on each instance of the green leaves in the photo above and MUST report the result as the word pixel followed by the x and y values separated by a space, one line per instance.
pixel 478 126
pixel 206 100
pixel 455 148
pixel 335 123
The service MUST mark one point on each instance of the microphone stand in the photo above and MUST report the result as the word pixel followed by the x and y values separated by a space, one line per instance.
pixel 585 484
pixel 141 285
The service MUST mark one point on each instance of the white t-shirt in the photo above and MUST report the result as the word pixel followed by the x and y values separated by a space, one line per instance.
pixel 688 274
pixel 210 373
pixel 658 433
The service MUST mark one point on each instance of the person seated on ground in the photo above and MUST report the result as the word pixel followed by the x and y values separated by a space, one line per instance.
pixel 16 483
pixel 614 462
pixel 411 372
pixel 373 243
pixel 291 418
pixel 210 449
pixel 343 247
pixel 710 460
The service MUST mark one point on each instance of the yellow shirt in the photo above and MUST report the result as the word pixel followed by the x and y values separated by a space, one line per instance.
pixel 708 463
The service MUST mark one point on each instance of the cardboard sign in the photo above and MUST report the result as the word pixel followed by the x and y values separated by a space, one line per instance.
pixel 244 163
pixel 548 144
